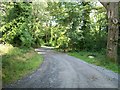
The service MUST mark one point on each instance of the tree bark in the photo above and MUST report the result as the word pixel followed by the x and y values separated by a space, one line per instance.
pixel 113 29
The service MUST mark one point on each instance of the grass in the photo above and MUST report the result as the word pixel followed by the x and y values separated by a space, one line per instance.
pixel 99 60
pixel 17 62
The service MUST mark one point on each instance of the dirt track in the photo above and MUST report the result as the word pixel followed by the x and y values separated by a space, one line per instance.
pixel 60 70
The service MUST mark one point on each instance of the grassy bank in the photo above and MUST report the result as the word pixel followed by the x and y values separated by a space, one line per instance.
pixel 18 62
pixel 98 59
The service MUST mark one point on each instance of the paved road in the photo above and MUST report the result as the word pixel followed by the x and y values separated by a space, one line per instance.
pixel 60 70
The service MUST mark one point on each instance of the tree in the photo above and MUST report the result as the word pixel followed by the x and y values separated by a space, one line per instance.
pixel 113 29
pixel 17 27
pixel 57 23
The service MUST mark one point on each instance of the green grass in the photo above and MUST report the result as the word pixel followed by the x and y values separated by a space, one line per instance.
pixel 16 63
pixel 99 60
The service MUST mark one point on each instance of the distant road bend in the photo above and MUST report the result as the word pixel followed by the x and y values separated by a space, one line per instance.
pixel 60 70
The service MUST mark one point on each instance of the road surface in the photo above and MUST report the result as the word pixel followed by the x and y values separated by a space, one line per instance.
pixel 60 70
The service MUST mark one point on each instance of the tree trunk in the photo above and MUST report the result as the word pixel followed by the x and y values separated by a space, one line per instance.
pixel 113 29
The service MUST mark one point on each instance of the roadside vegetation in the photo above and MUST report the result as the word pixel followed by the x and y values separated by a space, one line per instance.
pixel 68 26
pixel 18 62
pixel 96 58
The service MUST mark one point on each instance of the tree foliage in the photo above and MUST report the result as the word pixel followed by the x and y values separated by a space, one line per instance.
pixel 71 26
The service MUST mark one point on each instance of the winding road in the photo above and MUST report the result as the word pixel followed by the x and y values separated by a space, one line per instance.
pixel 60 70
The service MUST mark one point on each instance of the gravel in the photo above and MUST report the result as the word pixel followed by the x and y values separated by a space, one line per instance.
pixel 60 70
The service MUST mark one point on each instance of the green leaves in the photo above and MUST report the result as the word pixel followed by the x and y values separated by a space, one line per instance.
pixel 81 23
pixel 16 30
pixel 74 26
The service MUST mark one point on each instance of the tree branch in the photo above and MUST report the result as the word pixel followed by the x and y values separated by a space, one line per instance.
pixel 105 4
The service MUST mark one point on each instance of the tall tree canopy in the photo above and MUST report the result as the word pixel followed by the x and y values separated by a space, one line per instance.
pixel 66 25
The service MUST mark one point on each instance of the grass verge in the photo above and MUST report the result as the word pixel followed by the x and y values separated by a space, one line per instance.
pixel 99 60
pixel 17 62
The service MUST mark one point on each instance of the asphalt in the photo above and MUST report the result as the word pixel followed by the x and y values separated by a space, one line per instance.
pixel 60 70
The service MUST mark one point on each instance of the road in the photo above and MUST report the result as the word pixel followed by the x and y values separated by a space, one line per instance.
pixel 60 70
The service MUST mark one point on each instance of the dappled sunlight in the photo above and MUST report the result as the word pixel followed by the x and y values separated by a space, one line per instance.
pixel 50 30
pixel 44 49
pixel 48 47
pixel 4 49
pixel 18 63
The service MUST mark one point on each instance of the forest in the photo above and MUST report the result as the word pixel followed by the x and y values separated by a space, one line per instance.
pixel 69 27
